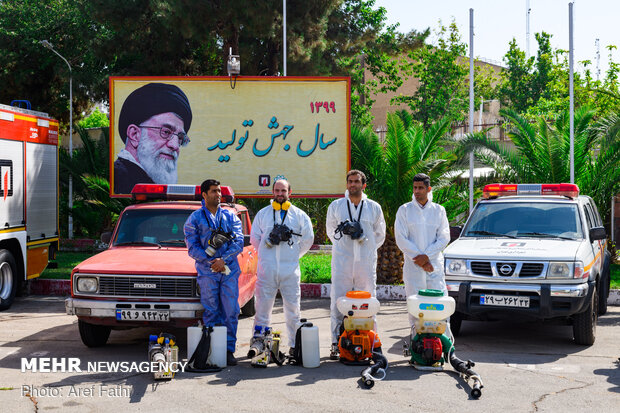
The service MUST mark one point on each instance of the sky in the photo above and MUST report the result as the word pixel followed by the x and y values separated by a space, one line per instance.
pixel 496 22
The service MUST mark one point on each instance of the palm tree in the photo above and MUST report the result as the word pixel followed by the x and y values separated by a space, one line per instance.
pixel 390 166
pixel 541 153
pixel 93 209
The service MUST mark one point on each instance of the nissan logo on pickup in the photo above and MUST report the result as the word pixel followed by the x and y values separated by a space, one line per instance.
pixel 144 285
pixel 505 269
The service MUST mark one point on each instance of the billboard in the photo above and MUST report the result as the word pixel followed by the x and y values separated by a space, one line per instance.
pixel 242 132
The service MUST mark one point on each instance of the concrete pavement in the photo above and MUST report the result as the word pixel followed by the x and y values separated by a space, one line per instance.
pixel 525 367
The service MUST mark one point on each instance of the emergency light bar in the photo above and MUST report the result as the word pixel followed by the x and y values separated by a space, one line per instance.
pixel 498 190
pixel 142 192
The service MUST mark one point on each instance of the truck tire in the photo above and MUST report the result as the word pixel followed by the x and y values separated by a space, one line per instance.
pixel 584 324
pixel 456 320
pixel 8 279
pixel 249 309
pixel 93 335
pixel 605 284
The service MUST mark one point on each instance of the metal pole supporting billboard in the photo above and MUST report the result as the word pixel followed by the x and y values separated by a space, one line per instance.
pixel 48 45
pixel 471 106
pixel 284 33
pixel 571 53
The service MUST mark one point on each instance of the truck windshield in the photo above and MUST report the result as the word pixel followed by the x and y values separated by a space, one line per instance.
pixel 157 227
pixel 526 219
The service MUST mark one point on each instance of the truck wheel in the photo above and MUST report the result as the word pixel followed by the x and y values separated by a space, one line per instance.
pixel 456 320
pixel 584 324
pixel 93 335
pixel 604 288
pixel 249 309
pixel 8 279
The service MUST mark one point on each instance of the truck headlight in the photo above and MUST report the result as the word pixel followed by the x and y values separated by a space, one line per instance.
pixel 456 266
pixel 87 284
pixel 559 270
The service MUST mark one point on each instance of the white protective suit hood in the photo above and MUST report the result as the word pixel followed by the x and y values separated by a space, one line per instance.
pixel 422 230
pixel 354 263
pixel 278 266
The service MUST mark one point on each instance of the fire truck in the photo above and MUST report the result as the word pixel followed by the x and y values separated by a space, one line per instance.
pixel 28 197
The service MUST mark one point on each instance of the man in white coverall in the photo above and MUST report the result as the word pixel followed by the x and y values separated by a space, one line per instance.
pixel 422 232
pixel 354 256
pixel 278 257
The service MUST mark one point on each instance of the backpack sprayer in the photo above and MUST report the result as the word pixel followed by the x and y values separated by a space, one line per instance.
pixel 358 343
pixel 164 352
pixel 265 347
pixel 430 347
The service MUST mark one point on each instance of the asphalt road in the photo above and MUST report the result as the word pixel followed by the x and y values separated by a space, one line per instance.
pixel 525 367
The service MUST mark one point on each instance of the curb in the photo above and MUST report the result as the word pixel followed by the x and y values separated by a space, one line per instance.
pixel 49 287
pixel 384 292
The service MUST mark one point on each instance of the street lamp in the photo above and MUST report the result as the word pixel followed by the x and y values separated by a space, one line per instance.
pixel 48 45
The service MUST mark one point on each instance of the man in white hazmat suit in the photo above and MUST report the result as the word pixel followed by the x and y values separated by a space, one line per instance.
pixel 278 257
pixel 422 232
pixel 354 254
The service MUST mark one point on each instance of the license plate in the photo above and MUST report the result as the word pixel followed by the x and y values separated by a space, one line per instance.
pixel 143 315
pixel 505 300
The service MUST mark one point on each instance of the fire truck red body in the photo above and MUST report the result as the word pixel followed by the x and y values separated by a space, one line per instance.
pixel 28 196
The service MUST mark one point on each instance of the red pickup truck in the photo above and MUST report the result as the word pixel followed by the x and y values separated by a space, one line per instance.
pixel 145 277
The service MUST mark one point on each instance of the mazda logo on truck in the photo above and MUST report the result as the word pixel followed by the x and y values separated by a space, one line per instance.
pixel 144 285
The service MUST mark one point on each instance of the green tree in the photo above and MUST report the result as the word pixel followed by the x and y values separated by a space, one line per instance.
pixel 390 166
pixel 516 79
pixel 30 71
pixel 190 38
pixel 526 80
pixel 97 119
pixel 442 73
pixel 540 86
pixel 541 153
pixel 93 209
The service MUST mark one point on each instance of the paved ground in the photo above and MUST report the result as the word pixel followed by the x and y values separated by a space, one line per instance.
pixel 525 367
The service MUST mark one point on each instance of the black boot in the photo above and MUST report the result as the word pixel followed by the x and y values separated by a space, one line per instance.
pixel 230 359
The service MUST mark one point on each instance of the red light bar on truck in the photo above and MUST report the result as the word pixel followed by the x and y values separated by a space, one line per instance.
pixel 142 192
pixel 498 190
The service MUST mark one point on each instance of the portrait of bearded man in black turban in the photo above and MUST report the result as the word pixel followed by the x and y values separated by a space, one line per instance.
pixel 153 123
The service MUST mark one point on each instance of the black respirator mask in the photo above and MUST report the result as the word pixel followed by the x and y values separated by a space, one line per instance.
pixel 280 233
pixel 217 239
pixel 351 228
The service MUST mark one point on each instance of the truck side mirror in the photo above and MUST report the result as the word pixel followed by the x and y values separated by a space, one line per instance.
pixel 246 240
pixel 106 237
pixel 597 233
pixel 455 232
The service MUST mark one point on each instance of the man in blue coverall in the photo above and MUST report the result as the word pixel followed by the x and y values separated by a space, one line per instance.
pixel 214 239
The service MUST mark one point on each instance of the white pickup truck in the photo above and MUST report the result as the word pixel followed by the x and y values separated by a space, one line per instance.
pixel 531 251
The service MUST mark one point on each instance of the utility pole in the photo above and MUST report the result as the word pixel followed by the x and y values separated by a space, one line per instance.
pixel 471 107
pixel 48 45
pixel 571 53
pixel 527 27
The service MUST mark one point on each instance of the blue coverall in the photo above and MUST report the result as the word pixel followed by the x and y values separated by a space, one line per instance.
pixel 219 293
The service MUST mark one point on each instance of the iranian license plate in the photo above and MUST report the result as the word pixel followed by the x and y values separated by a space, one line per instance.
pixel 505 300
pixel 143 315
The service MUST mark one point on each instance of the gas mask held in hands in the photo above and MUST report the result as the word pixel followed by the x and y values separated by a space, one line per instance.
pixel 280 233
pixel 351 228
pixel 217 239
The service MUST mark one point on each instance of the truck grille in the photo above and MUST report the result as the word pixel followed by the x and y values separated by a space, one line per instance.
pixel 481 268
pixel 531 269
pixel 169 287
pixel 507 269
